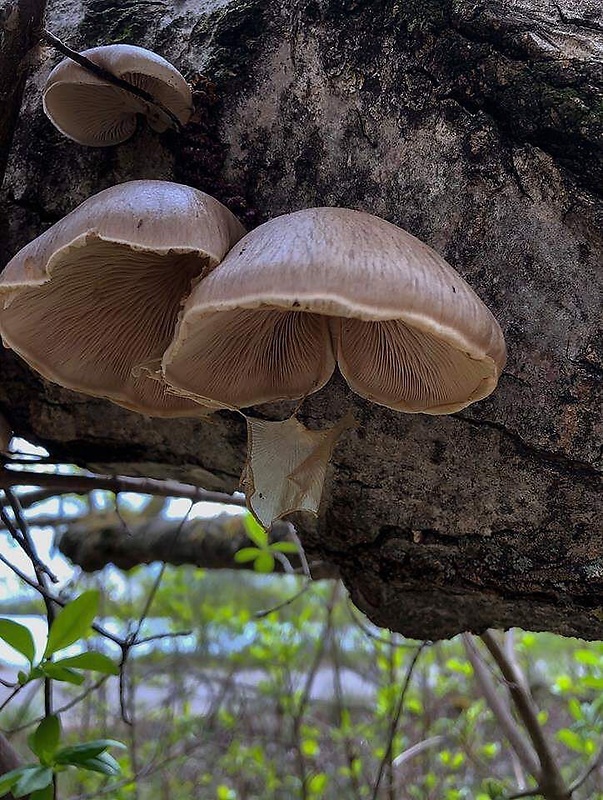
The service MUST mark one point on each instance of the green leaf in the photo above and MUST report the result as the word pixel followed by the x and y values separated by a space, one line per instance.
pixel 284 547
pixel 73 621
pixel 246 554
pixel 571 740
pixel 587 657
pixel 255 532
pixel 33 778
pixel 103 763
pixel 43 794
pixel 10 778
pixel 79 753
pixel 92 661
pixel 310 747
pixel 63 674
pixel 18 637
pixel 318 783
pixel 45 739
pixel 264 562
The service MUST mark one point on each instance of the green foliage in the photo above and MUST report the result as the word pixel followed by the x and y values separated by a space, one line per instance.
pixel 262 555
pixel 271 737
pixel 18 637
pixel 73 622
pixel 70 626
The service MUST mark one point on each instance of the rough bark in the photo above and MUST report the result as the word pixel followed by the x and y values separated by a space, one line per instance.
pixel 20 21
pixel 478 127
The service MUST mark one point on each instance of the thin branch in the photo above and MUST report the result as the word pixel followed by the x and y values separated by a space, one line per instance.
pixel 595 763
pixel 395 720
pixel 47 595
pixel 82 484
pixel 549 777
pixel 27 544
pixel 416 749
pixel 509 727
pixel 106 75
pixel 266 612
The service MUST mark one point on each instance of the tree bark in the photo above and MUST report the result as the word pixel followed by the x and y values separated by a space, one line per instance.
pixel 478 127
pixel 20 21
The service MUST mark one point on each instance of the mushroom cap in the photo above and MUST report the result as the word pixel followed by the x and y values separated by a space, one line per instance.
pixel 406 330
pixel 92 112
pixel 94 300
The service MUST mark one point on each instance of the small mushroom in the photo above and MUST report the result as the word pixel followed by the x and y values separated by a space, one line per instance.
pixel 322 285
pixel 96 297
pixel 94 112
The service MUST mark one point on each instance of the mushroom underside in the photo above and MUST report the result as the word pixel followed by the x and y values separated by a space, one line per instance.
pixel 100 114
pixel 397 365
pixel 244 357
pixel 105 311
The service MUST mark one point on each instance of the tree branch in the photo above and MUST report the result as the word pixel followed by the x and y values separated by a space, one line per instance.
pixel 509 727
pixel 96 541
pixel 82 484
pixel 550 779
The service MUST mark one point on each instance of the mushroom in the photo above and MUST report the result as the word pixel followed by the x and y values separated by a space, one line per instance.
pixel 322 285
pixel 311 289
pixel 94 112
pixel 95 298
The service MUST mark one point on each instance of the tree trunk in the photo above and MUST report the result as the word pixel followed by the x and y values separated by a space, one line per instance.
pixel 476 125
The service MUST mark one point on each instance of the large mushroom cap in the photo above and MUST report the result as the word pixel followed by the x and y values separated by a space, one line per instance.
pixel 96 297
pixel 305 288
pixel 96 113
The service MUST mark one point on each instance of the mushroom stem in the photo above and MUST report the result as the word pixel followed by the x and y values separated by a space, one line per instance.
pixel 108 76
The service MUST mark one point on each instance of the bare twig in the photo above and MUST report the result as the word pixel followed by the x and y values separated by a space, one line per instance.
pixel 43 574
pixel 266 612
pixel 595 763
pixel 416 749
pixel 549 777
pixel 509 727
pixel 395 720
pixel 82 484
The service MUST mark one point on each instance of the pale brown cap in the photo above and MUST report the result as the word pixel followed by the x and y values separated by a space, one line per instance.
pixel 407 331
pixel 94 300
pixel 93 112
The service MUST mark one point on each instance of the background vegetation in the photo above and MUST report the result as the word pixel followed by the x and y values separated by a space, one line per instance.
pixel 239 685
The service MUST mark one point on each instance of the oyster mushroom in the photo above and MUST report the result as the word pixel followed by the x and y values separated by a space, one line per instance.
pixel 96 297
pixel 318 287
pixel 91 111
pixel 326 285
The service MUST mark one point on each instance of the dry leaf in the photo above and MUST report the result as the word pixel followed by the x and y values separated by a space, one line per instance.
pixel 286 466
